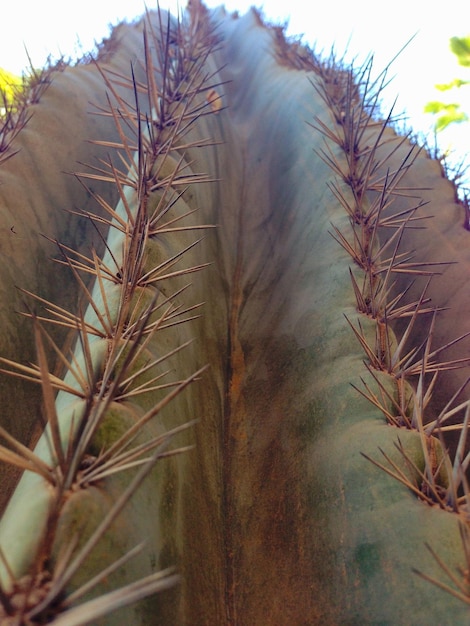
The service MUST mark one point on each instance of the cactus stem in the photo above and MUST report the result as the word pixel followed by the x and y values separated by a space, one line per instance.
pixel 110 368
pixel 462 591
pixel 67 573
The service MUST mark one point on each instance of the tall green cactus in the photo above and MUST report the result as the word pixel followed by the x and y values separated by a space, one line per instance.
pixel 237 203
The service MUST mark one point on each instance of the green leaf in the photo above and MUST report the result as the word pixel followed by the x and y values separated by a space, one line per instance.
pixel 448 113
pixel 434 107
pixel 460 46
pixel 10 84
pixel 445 120
pixel 457 82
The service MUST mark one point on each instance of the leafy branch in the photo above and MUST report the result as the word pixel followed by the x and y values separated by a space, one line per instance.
pixel 450 112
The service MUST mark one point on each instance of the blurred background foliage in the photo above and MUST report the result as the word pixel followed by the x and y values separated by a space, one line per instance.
pixel 450 112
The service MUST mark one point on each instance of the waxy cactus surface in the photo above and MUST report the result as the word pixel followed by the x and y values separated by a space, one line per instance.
pixel 243 382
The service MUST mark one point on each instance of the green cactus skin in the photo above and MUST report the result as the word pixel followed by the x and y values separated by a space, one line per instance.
pixel 50 147
pixel 276 516
pixel 296 492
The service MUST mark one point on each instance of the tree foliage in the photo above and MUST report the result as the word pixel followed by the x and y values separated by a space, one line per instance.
pixel 9 87
pixel 450 112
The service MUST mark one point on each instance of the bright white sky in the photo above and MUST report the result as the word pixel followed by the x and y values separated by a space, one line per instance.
pixel 56 26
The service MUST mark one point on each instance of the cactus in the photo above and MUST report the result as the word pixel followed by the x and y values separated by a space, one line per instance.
pixel 236 202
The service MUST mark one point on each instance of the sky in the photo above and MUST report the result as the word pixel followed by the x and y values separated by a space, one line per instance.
pixel 362 27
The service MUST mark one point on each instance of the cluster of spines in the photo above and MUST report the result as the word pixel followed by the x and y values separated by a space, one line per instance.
pixel 352 98
pixel 149 171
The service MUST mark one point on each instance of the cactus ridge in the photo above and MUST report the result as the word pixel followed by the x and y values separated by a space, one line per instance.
pixel 116 358
pixel 359 133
